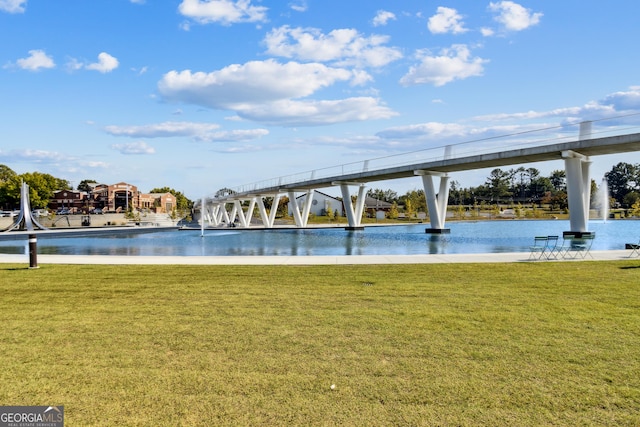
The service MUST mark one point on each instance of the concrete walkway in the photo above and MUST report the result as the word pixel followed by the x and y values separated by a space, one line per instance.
pixel 306 260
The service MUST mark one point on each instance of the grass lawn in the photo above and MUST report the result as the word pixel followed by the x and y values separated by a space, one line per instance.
pixel 529 344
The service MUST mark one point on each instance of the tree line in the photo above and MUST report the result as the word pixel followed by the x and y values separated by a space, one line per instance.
pixel 515 185
pixel 526 186
pixel 42 187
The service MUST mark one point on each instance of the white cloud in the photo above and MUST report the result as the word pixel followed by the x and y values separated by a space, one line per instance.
pixel 139 147
pixel 270 92
pixel 612 105
pixel 513 16
pixel 383 17
pixel 36 60
pixel 342 46
pixel 312 113
pixel 225 12
pixel 205 132
pixel 446 20
pixel 238 135
pixel 454 63
pixel 29 155
pixel 487 32
pixel 106 63
pixel 424 130
pixel 73 65
pixel 13 6
pixel 250 83
pixel 163 130
pixel 299 6
pixel 624 101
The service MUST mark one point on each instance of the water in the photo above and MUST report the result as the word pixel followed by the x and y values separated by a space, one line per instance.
pixel 465 237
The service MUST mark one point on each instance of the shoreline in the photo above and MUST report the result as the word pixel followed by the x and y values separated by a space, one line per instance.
pixel 508 257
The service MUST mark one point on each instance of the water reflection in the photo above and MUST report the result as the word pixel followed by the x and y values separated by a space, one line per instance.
pixel 465 237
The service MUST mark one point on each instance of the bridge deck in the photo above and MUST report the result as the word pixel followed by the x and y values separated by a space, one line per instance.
pixel 587 147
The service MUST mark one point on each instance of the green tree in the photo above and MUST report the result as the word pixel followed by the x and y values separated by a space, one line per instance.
pixel 635 209
pixel 417 199
pixel 85 185
pixel 498 184
pixel 6 173
pixel 224 192
pixel 558 180
pixel 393 212
pixel 386 195
pixel 622 179
pixel 7 176
pixel 409 209
pixel 41 189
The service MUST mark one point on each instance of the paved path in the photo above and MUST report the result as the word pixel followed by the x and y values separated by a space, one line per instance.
pixel 304 260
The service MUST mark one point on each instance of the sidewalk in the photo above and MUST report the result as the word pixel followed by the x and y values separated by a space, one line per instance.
pixel 306 260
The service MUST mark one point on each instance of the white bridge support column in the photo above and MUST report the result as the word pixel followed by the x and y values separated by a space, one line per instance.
pixel 578 189
pixel 436 202
pixel 217 214
pixel 223 215
pixel 354 214
pixel 301 218
pixel 268 219
pixel 244 217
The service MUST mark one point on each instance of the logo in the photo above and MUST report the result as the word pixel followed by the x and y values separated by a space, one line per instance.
pixel 31 416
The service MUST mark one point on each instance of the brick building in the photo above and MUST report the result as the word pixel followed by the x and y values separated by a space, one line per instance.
pixel 118 197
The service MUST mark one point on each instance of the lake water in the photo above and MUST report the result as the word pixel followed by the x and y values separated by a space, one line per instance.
pixel 465 237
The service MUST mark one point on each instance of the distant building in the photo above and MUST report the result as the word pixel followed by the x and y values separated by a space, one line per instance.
pixel 320 204
pixel 118 197
pixel 69 200
pixel 158 202
pixel 372 206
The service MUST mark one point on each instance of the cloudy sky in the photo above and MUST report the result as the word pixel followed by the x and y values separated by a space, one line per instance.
pixel 199 95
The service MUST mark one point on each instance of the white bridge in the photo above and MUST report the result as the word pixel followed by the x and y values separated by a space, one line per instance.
pixel 575 150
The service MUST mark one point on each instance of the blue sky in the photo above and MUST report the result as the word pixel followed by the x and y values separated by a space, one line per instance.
pixel 200 95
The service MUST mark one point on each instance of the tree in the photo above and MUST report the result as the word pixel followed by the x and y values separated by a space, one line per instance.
pixel 518 182
pixel 498 184
pixel 389 196
pixel 393 212
pixel 635 209
pixel 558 180
pixel 6 173
pixel 41 188
pixel 224 192
pixel 416 199
pixel 85 185
pixel 622 179
pixel 7 196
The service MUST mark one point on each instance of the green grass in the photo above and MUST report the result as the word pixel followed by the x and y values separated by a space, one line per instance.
pixel 530 344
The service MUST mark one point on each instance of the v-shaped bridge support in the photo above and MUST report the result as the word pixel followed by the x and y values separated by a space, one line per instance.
pixel 301 217
pixel 353 210
pixel 436 202
pixel 217 213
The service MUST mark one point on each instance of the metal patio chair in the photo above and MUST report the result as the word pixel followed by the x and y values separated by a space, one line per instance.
pixel 580 246
pixel 564 249
pixel 552 250
pixel 539 247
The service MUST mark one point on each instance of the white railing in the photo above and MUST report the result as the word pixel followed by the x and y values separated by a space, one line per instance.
pixel 620 125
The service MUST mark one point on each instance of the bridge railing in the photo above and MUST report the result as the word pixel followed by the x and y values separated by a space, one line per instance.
pixel 486 145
